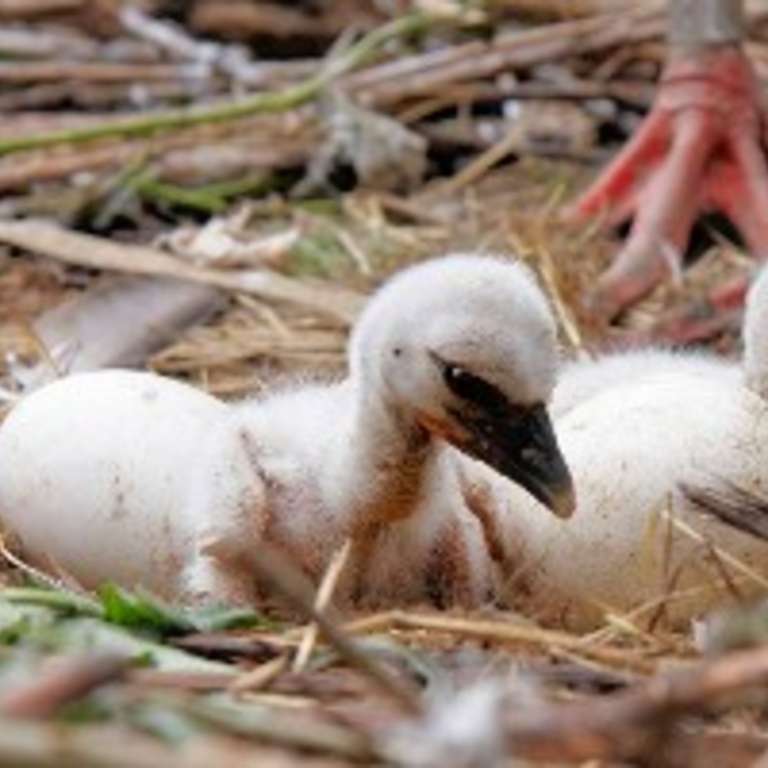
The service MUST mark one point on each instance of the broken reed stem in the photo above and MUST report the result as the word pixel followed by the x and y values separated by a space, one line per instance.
pixel 605 633
pixel 324 594
pixel 726 557
pixel 68 680
pixel 35 574
pixel 480 165
pixel 275 101
pixel 495 630
pixel 548 273
pixel 104 254
pixel 261 676
pixel 273 567
pixel 564 315
pixel 632 724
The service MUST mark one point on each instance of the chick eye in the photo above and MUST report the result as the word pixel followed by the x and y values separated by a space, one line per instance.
pixel 459 381
pixel 467 386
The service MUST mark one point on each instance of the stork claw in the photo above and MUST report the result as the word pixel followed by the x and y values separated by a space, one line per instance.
pixel 699 149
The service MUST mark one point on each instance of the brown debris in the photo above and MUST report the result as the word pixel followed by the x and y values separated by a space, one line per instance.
pixel 241 19
pixel 97 253
pixel 740 508
pixel 98 329
pixel 26 9
pixel 635 724
pixel 64 681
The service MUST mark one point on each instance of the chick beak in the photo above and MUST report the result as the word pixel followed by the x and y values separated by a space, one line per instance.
pixel 524 449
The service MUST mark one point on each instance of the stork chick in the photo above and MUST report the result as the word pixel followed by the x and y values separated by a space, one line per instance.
pixel 581 380
pixel 636 445
pixel 132 477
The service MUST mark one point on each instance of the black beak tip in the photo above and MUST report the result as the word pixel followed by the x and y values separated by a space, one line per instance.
pixel 526 452
pixel 551 483
pixel 562 501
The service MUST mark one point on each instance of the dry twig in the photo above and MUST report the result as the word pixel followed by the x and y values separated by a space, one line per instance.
pixel 634 724
pixel 324 594
pixel 275 569
pixel 100 253
pixel 65 681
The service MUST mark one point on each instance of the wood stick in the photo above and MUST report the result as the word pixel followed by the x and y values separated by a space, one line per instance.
pixel 29 9
pixel 66 681
pixel 324 594
pixel 428 73
pixel 98 72
pixel 267 102
pixel 634 723
pixel 276 569
pixel 101 253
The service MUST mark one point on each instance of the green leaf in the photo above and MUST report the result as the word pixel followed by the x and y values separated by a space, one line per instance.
pixel 77 635
pixel 138 611
pixel 216 618
pixel 141 611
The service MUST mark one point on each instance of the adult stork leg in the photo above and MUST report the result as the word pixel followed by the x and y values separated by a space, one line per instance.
pixel 700 149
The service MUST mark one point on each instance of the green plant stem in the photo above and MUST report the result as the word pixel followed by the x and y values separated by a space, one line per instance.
pixel 210 198
pixel 259 183
pixel 157 191
pixel 58 600
pixel 277 101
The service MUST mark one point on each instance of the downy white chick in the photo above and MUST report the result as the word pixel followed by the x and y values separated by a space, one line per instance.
pixel 134 478
pixel 634 444
pixel 581 380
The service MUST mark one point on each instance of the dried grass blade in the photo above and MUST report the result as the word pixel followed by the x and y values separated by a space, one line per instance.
pixel 324 594
pixel 100 253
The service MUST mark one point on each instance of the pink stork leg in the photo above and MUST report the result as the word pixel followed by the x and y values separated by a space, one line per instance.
pixel 700 149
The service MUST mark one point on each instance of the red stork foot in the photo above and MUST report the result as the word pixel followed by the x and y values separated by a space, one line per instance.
pixel 699 319
pixel 699 149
